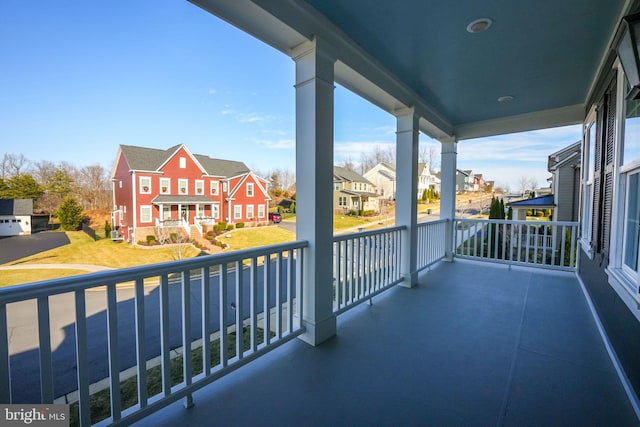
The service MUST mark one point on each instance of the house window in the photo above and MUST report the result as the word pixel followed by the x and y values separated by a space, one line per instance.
pixel 589 150
pixel 199 186
pixel 632 223
pixel 250 212
pixel 237 212
pixel 145 213
pixel 215 188
pixel 183 186
pixel 199 211
pixel 342 201
pixel 166 213
pixel 261 211
pixel 165 185
pixel 183 162
pixel 145 185
pixel 336 186
pixel 250 189
pixel 215 211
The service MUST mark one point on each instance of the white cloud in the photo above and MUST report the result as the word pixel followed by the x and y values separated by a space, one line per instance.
pixel 212 91
pixel 280 144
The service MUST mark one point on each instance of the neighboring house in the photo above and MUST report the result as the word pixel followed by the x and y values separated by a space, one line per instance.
pixel 426 180
pixel 353 192
pixel 15 216
pixel 478 182
pixel 383 177
pixel 464 181
pixel 535 203
pixel 564 166
pixel 155 190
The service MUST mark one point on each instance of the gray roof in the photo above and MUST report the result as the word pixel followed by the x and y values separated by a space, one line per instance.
pixel 16 207
pixel 344 174
pixel 150 159
pixel 535 202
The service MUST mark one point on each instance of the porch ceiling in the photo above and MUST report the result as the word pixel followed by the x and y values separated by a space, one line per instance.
pixel 544 54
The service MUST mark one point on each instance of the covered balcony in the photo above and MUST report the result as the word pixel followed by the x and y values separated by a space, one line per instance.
pixel 456 321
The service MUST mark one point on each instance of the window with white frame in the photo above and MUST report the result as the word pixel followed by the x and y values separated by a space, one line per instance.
pixel 215 211
pixel 183 162
pixel 342 201
pixel 588 170
pixel 166 213
pixel 261 211
pixel 183 186
pixel 165 185
pixel 199 186
pixel 249 211
pixel 199 211
pixel 630 189
pixel 250 189
pixel 215 188
pixel 237 212
pixel 145 185
pixel 145 213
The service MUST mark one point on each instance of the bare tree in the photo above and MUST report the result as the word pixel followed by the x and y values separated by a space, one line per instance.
pixel 348 164
pixel 12 165
pixel 428 154
pixel 94 187
pixel 527 183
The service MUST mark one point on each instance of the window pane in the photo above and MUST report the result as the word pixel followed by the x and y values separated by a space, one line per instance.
pixel 632 223
pixel 632 132
pixel 592 152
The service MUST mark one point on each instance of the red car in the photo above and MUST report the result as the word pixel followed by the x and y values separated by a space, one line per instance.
pixel 275 217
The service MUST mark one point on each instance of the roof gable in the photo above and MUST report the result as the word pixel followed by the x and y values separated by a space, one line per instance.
pixel 344 174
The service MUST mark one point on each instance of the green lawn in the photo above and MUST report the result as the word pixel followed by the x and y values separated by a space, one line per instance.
pixel 245 238
pixel 83 250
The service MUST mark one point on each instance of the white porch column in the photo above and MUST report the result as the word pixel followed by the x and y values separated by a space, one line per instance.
pixel 314 183
pixel 406 200
pixel 448 190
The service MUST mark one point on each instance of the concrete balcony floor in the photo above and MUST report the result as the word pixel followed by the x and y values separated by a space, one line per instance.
pixel 473 344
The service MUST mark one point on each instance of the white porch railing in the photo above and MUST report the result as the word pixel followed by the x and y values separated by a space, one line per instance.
pixel 165 223
pixel 241 292
pixel 365 264
pixel 539 244
pixel 431 242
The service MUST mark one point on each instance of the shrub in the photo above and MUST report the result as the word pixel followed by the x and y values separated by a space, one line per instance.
pixel 219 227
pixel 229 227
pixel 107 229
pixel 151 238
pixel 70 214
pixel 240 225
pixel 210 233
pixel 173 237
pixel 540 214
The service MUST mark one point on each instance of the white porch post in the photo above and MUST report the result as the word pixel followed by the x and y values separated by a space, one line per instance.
pixel 448 190
pixel 314 175
pixel 406 201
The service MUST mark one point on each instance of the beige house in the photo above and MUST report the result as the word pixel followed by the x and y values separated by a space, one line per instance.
pixel 353 192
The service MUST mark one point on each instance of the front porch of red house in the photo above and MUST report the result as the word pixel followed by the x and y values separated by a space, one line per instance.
pixel 473 344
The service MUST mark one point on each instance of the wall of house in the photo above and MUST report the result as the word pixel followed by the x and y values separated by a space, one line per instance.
pixel 17 225
pixel 567 193
pixel 239 186
pixel 621 326
pixel 123 196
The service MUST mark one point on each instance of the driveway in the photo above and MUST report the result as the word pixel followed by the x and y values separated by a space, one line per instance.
pixel 16 247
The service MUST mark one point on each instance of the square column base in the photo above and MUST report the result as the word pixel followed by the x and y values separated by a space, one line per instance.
pixel 317 333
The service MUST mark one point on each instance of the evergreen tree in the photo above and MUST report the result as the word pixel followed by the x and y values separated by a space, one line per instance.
pixel 70 214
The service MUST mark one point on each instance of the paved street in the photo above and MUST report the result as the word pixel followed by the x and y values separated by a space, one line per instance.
pixel 23 332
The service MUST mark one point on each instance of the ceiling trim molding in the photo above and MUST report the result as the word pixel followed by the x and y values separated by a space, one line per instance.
pixel 564 116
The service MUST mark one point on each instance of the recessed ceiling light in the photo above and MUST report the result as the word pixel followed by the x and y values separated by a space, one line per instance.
pixel 505 99
pixel 479 25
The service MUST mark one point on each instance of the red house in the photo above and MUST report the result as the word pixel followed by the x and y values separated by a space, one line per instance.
pixel 159 190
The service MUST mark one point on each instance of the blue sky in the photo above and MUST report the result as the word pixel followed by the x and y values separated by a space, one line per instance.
pixel 78 78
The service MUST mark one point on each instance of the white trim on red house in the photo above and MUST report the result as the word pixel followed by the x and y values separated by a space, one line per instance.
pixel 182 146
